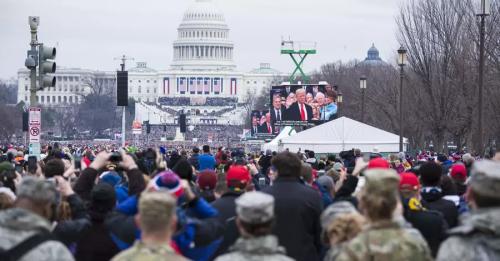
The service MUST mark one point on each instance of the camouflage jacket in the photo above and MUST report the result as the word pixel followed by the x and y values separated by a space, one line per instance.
pixel 478 238
pixel 386 241
pixel 17 225
pixel 141 252
pixel 258 249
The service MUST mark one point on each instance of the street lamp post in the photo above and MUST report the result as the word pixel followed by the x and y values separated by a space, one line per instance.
pixel 339 101
pixel 483 12
pixel 401 62
pixel 362 85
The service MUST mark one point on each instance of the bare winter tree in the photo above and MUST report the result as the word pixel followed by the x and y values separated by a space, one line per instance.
pixel 98 84
pixel 258 101
pixel 434 32
pixel 11 122
pixel 97 112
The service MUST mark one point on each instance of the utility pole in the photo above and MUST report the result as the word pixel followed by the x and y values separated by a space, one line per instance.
pixel 483 12
pixel 122 65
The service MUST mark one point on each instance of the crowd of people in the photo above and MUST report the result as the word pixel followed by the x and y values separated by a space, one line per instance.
pixel 79 202
pixel 207 101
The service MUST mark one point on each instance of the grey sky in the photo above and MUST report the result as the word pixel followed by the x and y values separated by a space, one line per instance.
pixel 90 33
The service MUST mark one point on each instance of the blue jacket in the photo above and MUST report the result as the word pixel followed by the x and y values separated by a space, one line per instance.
pixel 328 112
pixel 326 198
pixel 206 161
pixel 199 232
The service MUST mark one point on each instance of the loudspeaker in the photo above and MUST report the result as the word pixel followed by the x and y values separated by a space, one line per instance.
pixel 26 121
pixel 148 127
pixel 122 88
pixel 182 123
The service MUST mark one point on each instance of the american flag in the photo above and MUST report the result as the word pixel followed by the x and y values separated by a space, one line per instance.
pixel 206 85
pixel 217 85
pixel 192 87
pixel 199 85
pixel 182 85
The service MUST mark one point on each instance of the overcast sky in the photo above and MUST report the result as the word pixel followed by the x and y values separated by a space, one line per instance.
pixel 90 33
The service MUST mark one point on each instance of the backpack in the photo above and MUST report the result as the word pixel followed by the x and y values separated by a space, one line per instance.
pixel 260 181
pixel 25 246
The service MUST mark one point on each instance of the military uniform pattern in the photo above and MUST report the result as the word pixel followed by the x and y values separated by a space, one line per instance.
pixel 256 249
pixel 385 242
pixel 141 252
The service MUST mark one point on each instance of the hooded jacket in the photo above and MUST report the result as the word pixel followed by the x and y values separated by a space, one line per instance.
pixel 478 238
pixel 432 198
pixel 17 225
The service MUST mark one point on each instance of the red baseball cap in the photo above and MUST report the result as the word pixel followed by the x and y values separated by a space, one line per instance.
pixel 378 163
pixel 458 171
pixel 408 181
pixel 237 173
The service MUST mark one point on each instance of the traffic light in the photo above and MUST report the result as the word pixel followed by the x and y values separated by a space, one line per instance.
pixel 47 65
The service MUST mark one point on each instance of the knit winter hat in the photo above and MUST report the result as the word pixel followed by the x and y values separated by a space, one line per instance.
pixel 103 197
pixel 110 177
pixel 458 172
pixel 169 181
pixel 207 179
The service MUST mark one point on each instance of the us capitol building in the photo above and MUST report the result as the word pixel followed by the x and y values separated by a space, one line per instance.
pixel 202 81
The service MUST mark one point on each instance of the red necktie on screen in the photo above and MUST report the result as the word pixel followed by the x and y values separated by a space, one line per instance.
pixel 269 128
pixel 302 112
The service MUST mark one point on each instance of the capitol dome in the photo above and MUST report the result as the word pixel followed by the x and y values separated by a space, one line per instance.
pixel 373 54
pixel 203 40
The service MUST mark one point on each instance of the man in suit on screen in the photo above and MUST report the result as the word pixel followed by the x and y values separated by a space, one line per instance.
pixel 299 110
pixel 267 127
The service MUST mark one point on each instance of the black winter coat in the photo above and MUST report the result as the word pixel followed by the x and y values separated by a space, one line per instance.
pixel 91 232
pixel 227 216
pixel 297 210
pixel 69 231
pixel 431 225
pixel 434 201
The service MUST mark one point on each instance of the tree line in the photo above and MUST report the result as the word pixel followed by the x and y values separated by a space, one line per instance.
pixel 440 97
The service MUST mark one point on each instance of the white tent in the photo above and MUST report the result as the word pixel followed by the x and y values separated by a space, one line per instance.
pixel 274 144
pixel 343 134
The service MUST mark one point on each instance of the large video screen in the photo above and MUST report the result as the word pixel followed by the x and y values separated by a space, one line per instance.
pixel 305 104
pixel 261 125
